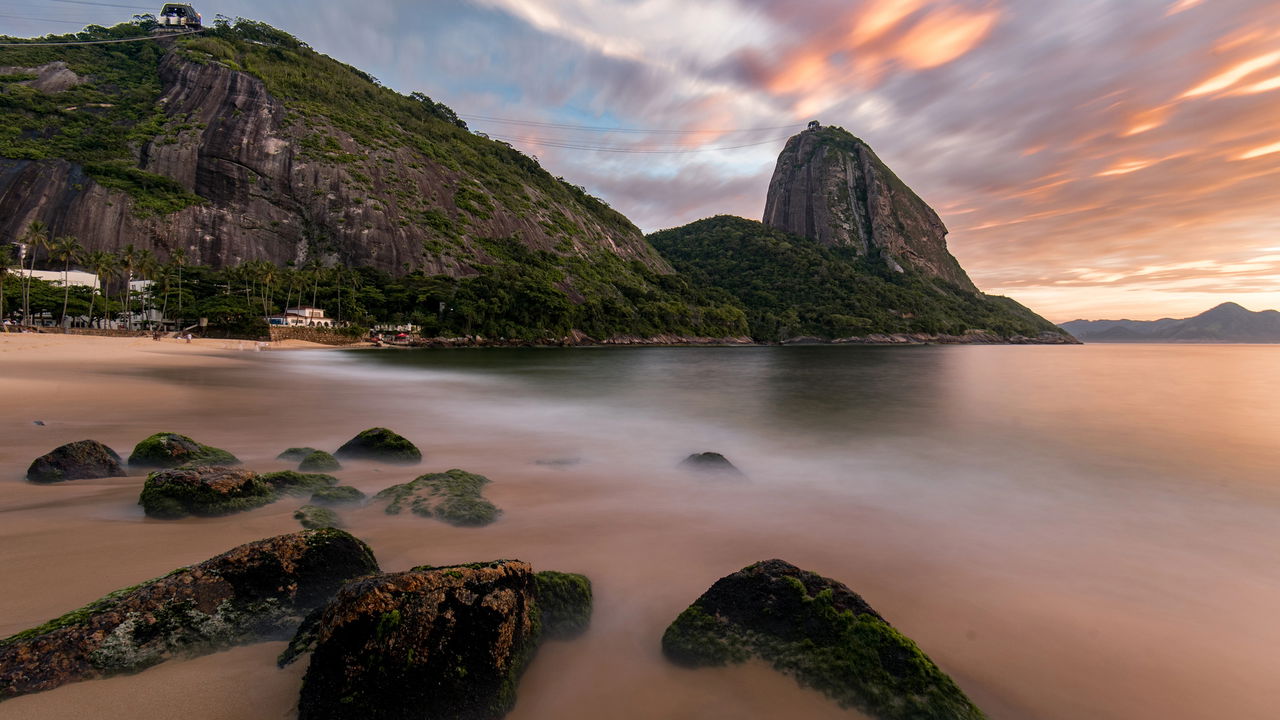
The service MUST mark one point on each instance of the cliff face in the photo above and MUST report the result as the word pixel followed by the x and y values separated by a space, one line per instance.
pixel 271 178
pixel 830 187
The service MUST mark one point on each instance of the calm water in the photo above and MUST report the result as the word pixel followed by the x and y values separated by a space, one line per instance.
pixel 1069 531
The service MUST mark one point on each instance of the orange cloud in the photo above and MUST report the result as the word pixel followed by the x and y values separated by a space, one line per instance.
pixel 943 36
pixel 1259 151
pixel 1234 74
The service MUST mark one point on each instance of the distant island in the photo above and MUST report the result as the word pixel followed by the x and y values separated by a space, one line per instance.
pixel 1226 323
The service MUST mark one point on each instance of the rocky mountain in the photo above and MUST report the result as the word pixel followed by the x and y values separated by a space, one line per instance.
pixel 829 186
pixel 1226 323
pixel 846 252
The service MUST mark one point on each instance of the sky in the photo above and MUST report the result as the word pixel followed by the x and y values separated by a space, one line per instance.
pixel 1091 158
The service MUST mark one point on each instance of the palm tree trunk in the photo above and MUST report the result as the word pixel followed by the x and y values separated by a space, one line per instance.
pixel 66 293
pixel 92 291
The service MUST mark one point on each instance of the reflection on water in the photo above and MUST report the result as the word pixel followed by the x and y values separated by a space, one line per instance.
pixel 1070 531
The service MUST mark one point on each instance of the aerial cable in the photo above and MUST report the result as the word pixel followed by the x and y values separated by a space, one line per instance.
pixel 600 128
pixel 615 149
pixel 36 19
pixel 102 42
pixel 102 4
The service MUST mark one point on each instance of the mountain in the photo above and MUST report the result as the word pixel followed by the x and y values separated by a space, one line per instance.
pixel 846 251
pixel 829 186
pixel 243 144
pixel 1226 323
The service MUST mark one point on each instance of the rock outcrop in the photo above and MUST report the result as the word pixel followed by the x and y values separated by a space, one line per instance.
pixel 312 517
pixel 292 482
pixel 167 450
pixel 340 495
pixel 80 460
pixel 380 444
pixel 254 592
pixel 829 186
pixel 710 462
pixel 446 642
pixel 319 461
pixel 295 454
pixel 206 491
pixel 454 496
pixel 822 633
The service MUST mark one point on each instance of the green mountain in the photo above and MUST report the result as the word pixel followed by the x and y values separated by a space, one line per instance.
pixel 791 286
pixel 243 145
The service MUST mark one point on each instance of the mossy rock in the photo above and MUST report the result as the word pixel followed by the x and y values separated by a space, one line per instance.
pixel 454 496
pixel 313 517
pixel 565 602
pixel 203 491
pixel 171 450
pixel 380 444
pixel 447 642
pixel 255 592
pixel 340 495
pixel 295 453
pixel 823 634
pixel 712 463
pixel 80 460
pixel 319 461
pixel 292 482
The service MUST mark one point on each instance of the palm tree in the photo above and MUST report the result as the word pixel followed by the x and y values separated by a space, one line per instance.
pixel 36 237
pixel 6 257
pixel 128 257
pixel 178 259
pixel 101 263
pixel 147 267
pixel 68 250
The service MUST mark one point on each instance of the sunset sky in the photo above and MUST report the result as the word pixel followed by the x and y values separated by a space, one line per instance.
pixel 1092 158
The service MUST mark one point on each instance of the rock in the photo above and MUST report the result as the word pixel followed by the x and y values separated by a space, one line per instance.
pixel 319 461
pixel 314 518
pixel 559 462
pixel 829 186
pixel 168 450
pixel 380 444
pixel 446 642
pixel 292 482
pixel 710 462
pixel 203 491
pixel 822 633
pixel 254 592
pixel 453 496
pixel 340 495
pixel 565 602
pixel 80 460
pixel 295 453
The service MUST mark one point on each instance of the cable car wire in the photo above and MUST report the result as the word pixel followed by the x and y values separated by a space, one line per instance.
pixel 102 42
pixel 102 4
pixel 601 128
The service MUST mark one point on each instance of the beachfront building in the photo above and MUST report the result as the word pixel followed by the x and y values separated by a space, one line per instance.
pixel 301 317
pixel 75 278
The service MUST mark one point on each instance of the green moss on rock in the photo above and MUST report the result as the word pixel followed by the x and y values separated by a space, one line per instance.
pixel 203 491
pixel 314 518
pixel 295 453
pixel 565 602
pixel 292 482
pixel 171 450
pixel 319 461
pixel 340 495
pixel 80 460
pixel 258 591
pixel 823 634
pixel 454 496
pixel 380 444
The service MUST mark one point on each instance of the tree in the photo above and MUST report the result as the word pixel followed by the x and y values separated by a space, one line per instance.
pixel 101 263
pixel 68 250
pixel 128 257
pixel 6 260
pixel 148 265
pixel 36 237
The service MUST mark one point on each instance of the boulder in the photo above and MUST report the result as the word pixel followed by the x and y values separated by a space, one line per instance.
pixel 710 462
pixel 380 444
pixel 314 518
pixel 565 602
pixel 255 592
pixel 453 496
pixel 292 482
pixel 203 491
pixel 169 450
pixel 822 633
pixel 319 461
pixel 444 642
pixel 340 495
pixel 295 453
pixel 80 460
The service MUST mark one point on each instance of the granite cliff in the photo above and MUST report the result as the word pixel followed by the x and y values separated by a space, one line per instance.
pixel 831 187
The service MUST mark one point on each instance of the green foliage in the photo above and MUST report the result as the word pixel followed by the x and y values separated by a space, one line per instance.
pixel 565 602
pixel 789 286
pixel 453 496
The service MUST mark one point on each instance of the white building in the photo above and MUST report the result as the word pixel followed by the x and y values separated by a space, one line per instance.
pixel 75 278
pixel 301 317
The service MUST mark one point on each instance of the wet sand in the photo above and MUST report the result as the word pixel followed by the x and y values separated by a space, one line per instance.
pixel 1039 604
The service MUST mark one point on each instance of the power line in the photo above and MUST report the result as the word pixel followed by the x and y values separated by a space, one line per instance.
pixel 102 42
pixel 615 149
pixel 102 4
pixel 36 19
pixel 601 128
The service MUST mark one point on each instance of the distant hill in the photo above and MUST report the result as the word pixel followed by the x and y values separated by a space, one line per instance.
pixel 1226 323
